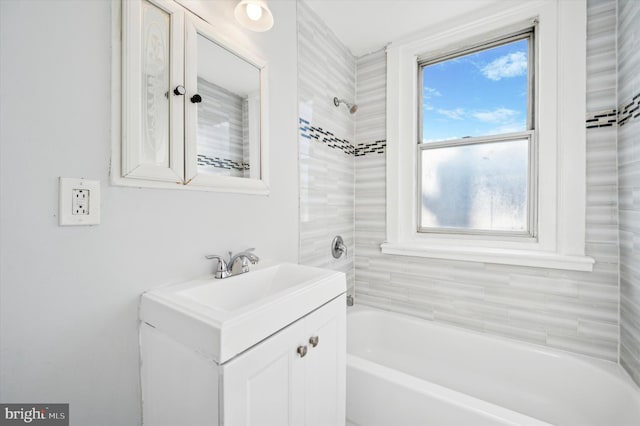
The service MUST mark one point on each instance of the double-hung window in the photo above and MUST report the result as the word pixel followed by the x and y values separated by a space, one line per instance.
pixel 476 147
pixel 486 141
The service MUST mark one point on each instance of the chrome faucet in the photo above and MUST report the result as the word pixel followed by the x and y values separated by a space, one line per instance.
pixel 246 257
pixel 226 268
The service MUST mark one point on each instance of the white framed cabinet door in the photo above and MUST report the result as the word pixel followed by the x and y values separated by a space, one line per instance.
pixel 152 90
pixel 294 378
pixel 325 366
pixel 265 385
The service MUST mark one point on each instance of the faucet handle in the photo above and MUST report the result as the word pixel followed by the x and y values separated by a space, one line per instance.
pixel 215 256
pixel 222 271
pixel 338 248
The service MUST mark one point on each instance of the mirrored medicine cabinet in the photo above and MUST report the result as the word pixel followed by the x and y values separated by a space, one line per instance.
pixel 193 104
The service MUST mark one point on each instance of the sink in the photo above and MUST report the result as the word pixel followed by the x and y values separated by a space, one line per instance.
pixel 221 318
pixel 234 293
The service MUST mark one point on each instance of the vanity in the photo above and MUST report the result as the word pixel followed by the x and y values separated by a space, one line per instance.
pixel 263 348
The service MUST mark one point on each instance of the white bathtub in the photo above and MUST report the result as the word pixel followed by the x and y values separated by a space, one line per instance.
pixel 404 371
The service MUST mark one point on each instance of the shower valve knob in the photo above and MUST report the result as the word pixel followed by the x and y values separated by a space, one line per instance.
pixel 196 99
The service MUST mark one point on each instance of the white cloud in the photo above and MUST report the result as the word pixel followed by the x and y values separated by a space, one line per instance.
pixel 455 114
pixel 499 115
pixel 509 128
pixel 511 65
pixel 430 92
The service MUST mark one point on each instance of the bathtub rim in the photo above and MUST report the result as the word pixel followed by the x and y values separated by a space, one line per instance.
pixel 444 394
pixel 613 368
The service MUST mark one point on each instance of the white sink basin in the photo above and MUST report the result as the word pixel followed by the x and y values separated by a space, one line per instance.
pixel 222 317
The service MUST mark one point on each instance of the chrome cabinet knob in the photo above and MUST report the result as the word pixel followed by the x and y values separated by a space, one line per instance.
pixel 179 91
pixel 302 351
pixel 313 341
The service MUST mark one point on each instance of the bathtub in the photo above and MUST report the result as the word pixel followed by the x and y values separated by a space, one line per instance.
pixel 405 371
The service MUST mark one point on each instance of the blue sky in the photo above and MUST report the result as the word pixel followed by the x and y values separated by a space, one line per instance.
pixel 479 94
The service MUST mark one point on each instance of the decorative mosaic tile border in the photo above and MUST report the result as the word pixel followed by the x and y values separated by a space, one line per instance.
pixel 613 117
pixel 594 120
pixel 221 163
pixel 608 118
pixel 377 147
pixel 326 137
pixel 630 111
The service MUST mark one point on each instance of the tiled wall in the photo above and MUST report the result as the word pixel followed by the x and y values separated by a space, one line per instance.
pixel 325 69
pixel 222 132
pixel 629 182
pixel 576 311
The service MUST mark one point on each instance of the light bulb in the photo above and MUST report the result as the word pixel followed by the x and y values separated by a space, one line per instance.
pixel 254 11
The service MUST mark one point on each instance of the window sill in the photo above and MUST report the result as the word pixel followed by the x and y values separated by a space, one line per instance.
pixel 500 256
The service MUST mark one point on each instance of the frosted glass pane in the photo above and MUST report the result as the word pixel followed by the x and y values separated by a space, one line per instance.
pixel 155 85
pixel 476 187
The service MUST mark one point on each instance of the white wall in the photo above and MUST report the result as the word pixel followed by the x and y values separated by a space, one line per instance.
pixel 69 295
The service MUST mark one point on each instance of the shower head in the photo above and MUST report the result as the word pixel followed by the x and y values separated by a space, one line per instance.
pixel 352 107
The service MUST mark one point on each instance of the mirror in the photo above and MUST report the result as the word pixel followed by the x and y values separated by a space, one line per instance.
pixel 193 104
pixel 228 112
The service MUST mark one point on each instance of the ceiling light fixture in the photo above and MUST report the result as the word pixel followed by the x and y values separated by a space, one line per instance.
pixel 254 15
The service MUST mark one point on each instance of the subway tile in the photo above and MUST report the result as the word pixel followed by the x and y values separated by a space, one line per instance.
pixel 452 318
pixel 586 309
pixel 598 292
pixel 545 285
pixel 601 331
pixel 565 322
pixel 592 347
pixel 533 335
pixel 629 362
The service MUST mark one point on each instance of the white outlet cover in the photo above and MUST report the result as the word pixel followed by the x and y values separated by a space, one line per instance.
pixel 66 216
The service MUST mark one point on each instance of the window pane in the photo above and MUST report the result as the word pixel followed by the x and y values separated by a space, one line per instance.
pixel 476 187
pixel 479 94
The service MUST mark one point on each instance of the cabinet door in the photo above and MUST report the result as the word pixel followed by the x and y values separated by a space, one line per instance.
pixel 325 368
pixel 152 68
pixel 225 110
pixel 265 385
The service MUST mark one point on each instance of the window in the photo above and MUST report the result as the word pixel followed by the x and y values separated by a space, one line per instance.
pixel 476 143
pixel 517 189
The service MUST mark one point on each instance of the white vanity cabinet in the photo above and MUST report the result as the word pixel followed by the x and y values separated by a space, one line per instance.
pixel 264 348
pixel 286 380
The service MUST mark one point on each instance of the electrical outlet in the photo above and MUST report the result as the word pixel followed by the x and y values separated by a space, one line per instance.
pixel 79 202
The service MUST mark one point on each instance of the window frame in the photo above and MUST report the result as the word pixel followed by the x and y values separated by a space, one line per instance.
pixel 560 135
pixel 529 133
